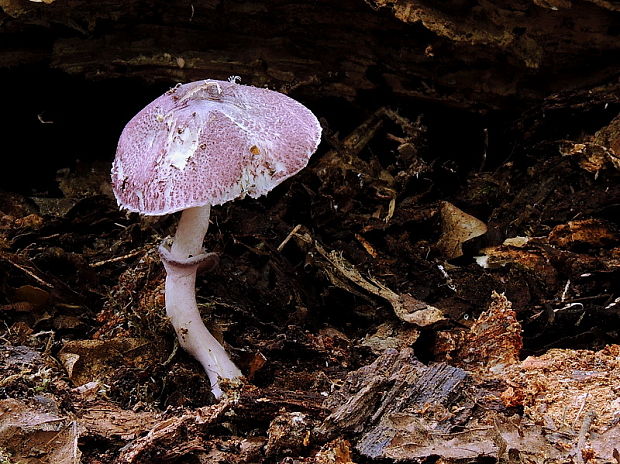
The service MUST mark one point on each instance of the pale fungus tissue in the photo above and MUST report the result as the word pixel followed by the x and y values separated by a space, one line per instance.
pixel 201 144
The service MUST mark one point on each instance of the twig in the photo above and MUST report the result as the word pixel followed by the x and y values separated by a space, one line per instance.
pixel 174 352
pixel 117 258
pixel 583 405
pixel 572 300
pixel 30 273
pixel 585 428
pixel 367 246
pixel 288 237
pixel 391 209
pixel 565 292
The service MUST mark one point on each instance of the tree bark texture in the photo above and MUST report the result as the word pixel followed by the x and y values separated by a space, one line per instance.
pixel 480 54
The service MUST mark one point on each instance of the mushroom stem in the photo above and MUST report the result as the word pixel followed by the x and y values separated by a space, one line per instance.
pixel 191 232
pixel 181 263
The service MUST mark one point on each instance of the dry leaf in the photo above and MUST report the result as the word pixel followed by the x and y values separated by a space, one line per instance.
pixel 89 360
pixel 591 156
pixel 456 228
pixel 37 434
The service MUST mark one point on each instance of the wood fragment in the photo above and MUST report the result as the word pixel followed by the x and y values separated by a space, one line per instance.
pixel 391 209
pixel 26 270
pixel 397 389
pixel 101 418
pixel 398 409
pixel 367 246
pixel 340 271
pixel 168 438
pixel 288 237
pixel 583 434
pixel 118 258
pixel 494 340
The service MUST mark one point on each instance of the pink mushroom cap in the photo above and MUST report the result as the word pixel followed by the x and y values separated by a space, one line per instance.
pixel 209 142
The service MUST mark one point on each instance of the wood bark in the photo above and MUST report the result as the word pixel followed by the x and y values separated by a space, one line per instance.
pixel 480 54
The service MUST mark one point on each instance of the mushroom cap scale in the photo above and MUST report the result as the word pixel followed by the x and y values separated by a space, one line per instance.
pixel 209 142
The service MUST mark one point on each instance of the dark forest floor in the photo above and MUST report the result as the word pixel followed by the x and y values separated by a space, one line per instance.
pixel 418 291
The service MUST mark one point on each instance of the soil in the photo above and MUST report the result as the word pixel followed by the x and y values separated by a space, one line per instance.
pixel 439 284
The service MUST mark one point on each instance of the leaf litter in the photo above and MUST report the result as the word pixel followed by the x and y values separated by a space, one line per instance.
pixel 351 299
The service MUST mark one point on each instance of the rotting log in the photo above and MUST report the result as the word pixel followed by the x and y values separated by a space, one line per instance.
pixel 475 55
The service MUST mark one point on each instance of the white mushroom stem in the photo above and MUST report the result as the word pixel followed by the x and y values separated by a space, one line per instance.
pixel 191 232
pixel 181 262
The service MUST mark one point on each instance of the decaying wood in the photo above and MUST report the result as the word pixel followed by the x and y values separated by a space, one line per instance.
pixel 394 382
pixel 397 408
pixel 477 54
pixel 181 435
pixel 335 452
pixel 168 439
pixel 494 340
pixel 263 404
pixel 108 420
pixel 562 387
pixel 288 432
pixel 550 208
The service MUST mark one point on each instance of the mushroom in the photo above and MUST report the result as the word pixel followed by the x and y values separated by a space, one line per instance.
pixel 198 145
